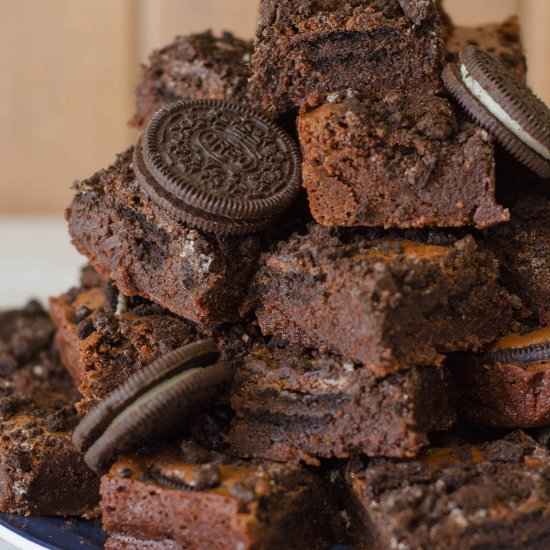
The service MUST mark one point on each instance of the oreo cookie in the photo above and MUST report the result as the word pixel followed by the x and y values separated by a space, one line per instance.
pixel 153 403
pixel 504 106
pixel 218 166
pixel 523 350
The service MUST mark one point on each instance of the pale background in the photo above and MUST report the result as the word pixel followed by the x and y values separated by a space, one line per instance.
pixel 68 69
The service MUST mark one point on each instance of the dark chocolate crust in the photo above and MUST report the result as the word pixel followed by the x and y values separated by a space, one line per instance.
pixel 371 46
pixel 41 473
pixel 198 66
pixel 493 495
pixel 102 346
pixel 387 304
pixel 402 161
pixel 244 505
pixel 293 404
pixel 148 252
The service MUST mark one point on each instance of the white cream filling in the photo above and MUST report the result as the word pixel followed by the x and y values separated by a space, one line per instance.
pixel 500 114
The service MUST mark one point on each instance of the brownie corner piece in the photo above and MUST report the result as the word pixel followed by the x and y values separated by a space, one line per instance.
pixel 295 404
pixel 328 45
pixel 489 495
pixel 211 500
pixel 405 161
pixel 149 253
pixel 344 292
pixel 196 66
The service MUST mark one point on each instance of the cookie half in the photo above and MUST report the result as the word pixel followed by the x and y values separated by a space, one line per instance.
pixel 502 105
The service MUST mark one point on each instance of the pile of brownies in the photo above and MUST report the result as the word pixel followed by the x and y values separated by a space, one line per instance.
pixel 387 330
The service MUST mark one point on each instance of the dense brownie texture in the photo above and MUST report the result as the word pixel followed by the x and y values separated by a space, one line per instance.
pixel 41 472
pixel 401 161
pixel 372 46
pixel 148 252
pixel 198 66
pixel 294 404
pixel 230 504
pixel 386 304
pixel 105 336
pixel 505 394
pixel 502 41
pixel 493 496
pixel 522 246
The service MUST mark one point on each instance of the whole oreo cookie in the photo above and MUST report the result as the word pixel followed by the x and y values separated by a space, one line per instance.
pixel 504 106
pixel 152 403
pixel 218 166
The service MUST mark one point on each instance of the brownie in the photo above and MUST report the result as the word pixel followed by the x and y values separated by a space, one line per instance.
pixel 41 473
pixel 372 46
pixel 195 499
pixel 104 337
pixel 389 304
pixel 198 66
pixel 401 161
pixel 502 41
pixel 148 252
pixel 292 403
pixel 509 392
pixel 494 495
pixel 522 246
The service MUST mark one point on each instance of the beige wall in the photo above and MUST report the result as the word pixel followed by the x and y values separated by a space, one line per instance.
pixel 68 68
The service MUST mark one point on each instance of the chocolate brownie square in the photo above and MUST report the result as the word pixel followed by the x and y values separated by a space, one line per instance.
pixel 196 499
pixel 502 41
pixel 522 246
pixel 493 495
pixel 41 473
pixel 148 252
pixel 401 161
pixel 372 46
pixel 292 403
pixel 105 336
pixel 509 385
pixel 198 66
pixel 389 304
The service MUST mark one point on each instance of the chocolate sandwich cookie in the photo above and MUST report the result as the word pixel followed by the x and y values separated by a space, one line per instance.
pixel 218 166
pixel 152 403
pixel 504 106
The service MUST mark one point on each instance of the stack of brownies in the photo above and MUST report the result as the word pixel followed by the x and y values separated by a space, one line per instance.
pixel 392 381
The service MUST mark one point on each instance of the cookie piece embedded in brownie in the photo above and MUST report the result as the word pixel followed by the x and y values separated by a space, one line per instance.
pixel 401 161
pixel 196 499
pixel 494 495
pixel 389 305
pixel 502 41
pixel 41 473
pixel 197 66
pixel 148 252
pixel 509 385
pixel 293 404
pixel 104 337
pixel 522 246
pixel 371 46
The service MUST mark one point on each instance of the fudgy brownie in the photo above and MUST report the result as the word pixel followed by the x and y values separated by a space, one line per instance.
pixel 465 497
pixel 522 246
pixel 509 386
pixel 292 404
pixel 198 66
pixel 502 41
pixel 105 336
pixel 373 46
pixel 195 499
pixel 148 252
pixel 386 304
pixel 41 472
pixel 401 161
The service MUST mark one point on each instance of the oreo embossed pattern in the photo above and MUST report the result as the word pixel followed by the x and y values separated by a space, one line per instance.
pixel 218 166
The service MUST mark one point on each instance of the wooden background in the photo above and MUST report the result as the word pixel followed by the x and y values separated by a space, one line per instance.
pixel 68 69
